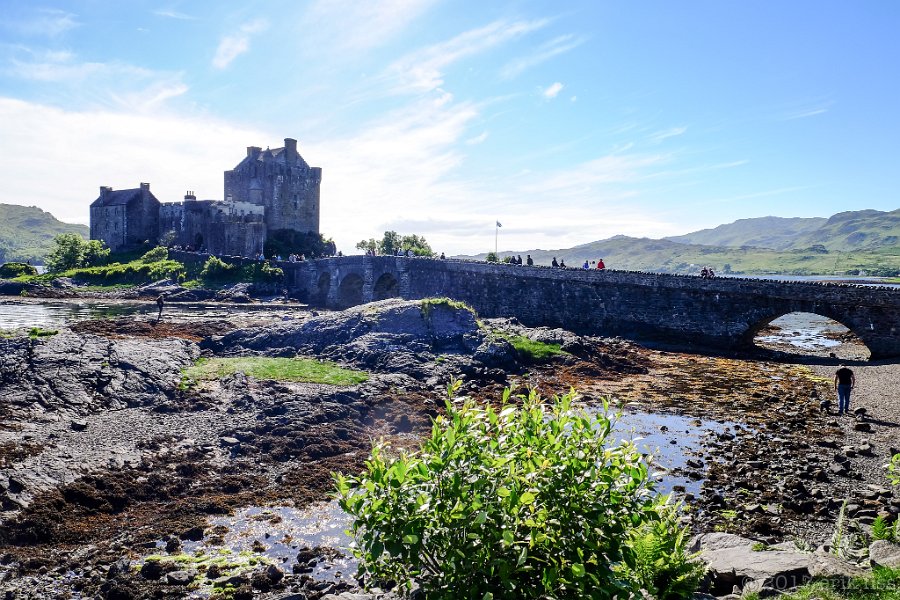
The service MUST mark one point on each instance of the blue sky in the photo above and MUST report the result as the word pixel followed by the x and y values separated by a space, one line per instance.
pixel 568 122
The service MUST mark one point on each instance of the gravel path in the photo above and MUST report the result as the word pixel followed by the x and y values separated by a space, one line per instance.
pixel 878 390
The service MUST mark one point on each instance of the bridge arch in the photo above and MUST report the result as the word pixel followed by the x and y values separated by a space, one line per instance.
pixel 350 291
pixel 323 287
pixel 386 286
pixel 809 333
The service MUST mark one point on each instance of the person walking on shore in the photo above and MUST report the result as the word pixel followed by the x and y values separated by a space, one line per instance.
pixel 844 380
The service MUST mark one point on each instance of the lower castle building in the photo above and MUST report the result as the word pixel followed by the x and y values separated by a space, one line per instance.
pixel 268 191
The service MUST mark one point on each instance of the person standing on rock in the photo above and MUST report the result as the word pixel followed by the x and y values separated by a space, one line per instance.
pixel 160 301
pixel 844 380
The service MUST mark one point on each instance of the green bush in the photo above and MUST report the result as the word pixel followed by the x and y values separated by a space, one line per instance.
pixel 894 470
pixel 216 269
pixel 132 272
pixel 526 501
pixel 16 269
pixel 155 255
pixel 71 251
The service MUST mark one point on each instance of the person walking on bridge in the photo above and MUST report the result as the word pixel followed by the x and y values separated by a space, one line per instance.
pixel 844 381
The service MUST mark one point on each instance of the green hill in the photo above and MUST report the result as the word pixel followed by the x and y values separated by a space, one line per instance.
pixel 776 233
pixel 868 230
pixel 27 232
pixel 849 243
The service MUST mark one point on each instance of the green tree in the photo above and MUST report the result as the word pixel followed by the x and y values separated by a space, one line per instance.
pixel 392 241
pixel 71 251
pixel 417 244
pixel 369 245
pixel 491 257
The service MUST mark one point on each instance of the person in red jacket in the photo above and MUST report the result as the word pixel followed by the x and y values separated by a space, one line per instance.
pixel 600 264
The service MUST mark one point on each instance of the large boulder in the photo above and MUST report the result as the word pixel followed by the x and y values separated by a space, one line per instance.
pixel 81 374
pixel 883 553
pixel 379 327
pixel 732 561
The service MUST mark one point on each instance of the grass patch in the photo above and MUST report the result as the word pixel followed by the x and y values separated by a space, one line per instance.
pixel 38 332
pixel 882 584
pixel 532 350
pixel 428 303
pixel 304 370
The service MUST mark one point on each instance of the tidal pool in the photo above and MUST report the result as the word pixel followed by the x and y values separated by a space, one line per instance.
pixel 279 533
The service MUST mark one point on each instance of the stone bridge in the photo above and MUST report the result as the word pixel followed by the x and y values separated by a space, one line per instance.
pixel 724 313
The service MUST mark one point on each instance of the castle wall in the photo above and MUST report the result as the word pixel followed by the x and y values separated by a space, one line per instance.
pixel 282 182
pixel 108 224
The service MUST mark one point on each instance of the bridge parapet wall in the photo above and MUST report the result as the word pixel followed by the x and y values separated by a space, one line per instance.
pixel 720 312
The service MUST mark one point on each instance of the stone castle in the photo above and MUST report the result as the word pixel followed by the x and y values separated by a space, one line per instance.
pixel 269 190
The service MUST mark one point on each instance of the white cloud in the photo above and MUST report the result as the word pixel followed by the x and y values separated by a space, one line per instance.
pixel 173 14
pixel 232 46
pixel 423 70
pixel 553 90
pixel 86 149
pixel 543 53
pixel 478 139
pixel 48 22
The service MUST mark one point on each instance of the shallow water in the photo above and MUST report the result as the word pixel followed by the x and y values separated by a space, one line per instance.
pixel 283 531
pixel 805 331
pixel 14 315
pixel 54 314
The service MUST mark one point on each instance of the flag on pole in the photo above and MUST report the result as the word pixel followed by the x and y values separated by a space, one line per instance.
pixel 498 224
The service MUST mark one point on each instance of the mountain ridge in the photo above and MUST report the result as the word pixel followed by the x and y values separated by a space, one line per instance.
pixel 27 232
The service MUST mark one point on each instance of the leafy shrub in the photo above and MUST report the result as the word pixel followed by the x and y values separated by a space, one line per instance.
pixel 520 502
pixel 491 257
pixel 266 273
pixel 663 567
pixel 132 272
pixel 16 269
pixel 894 470
pixel 216 269
pixel 155 255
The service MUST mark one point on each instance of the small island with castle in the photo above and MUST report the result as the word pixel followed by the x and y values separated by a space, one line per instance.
pixel 270 190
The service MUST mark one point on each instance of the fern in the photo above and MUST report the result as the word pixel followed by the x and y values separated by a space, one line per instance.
pixel 662 565
pixel 881 530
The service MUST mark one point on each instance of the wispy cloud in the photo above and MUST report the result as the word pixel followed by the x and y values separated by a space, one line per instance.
pixel 478 139
pixel 232 46
pixel 552 91
pixel 423 70
pixel 665 134
pixel 802 114
pixel 543 53
pixel 63 66
pixel 352 26
pixel 173 14
pixel 48 22
pixel 612 169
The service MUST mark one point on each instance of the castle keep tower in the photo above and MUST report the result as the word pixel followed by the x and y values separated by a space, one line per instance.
pixel 279 180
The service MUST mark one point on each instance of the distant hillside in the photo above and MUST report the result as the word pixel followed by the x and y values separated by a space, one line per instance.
pixel 777 233
pixel 848 243
pixel 844 232
pixel 26 232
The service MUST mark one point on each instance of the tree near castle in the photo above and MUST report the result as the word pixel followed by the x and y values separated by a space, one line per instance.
pixel 393 241
pixel 71 251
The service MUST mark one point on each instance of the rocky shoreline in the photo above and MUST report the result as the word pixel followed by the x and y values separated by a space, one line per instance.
pixel 108 456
